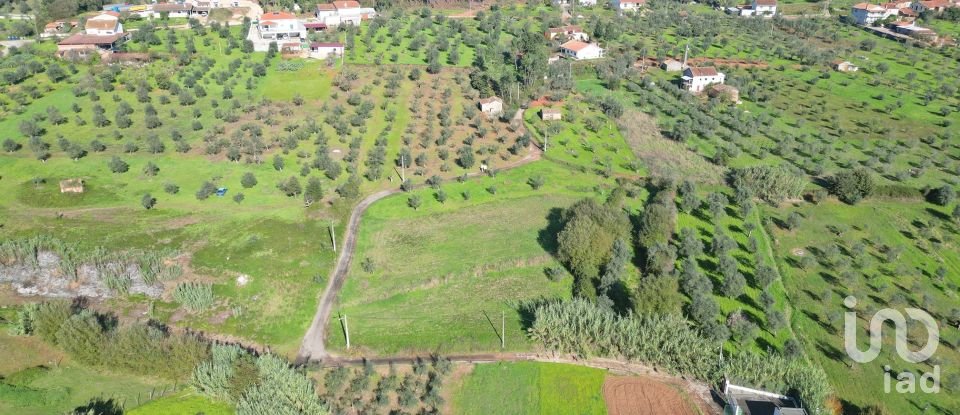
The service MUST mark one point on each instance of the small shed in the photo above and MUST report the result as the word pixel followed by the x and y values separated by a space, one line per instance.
pixel 845 66
pixel 71 186
pixel 724 92
pixel 671 65
pixel 492 106
pixel 550 114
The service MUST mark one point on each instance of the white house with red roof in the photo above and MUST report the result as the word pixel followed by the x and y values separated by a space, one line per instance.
pixel 343 12
pixel 696 78
pixel 866 14
pixel 279 26
pixel 578 50
pixel 627 5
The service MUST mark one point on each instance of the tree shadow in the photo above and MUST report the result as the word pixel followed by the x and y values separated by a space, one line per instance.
pixel 547 237
pixel 100 406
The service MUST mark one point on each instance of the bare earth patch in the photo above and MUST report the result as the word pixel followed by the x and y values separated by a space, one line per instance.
pixel 643 396
pixel 664 157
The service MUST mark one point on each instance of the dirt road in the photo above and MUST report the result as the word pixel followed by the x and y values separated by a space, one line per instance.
pixel 314 343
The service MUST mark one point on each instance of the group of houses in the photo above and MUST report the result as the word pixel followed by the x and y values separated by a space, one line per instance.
pixel 101 34
pixel 897 20
pixel 292 32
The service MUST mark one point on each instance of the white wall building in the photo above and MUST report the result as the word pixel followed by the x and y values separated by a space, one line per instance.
pixel 105 24
pixel 578 50
pixel 866 14
pixel 343 12
pixel 280 25
pixel 323 50
pixel 695 79
pixel 627 5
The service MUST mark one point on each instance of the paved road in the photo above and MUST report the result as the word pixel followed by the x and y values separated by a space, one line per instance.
pixel 314 342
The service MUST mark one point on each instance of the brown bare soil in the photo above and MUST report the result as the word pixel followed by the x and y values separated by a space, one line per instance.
pixel 644 396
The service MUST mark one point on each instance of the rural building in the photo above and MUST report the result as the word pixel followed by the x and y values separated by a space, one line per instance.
pixel 320 50
pixel 550 114
pixel 762 8
pixel 909 28
pixel 280 25
pixel 866 14
pixel 71 186
pixel 82 46
pixel 554 58
pixel 567 32
pixel 578 2
pixel 627 5
pixel 104 24
pixel 581 51
pixel 58 26
pixel 746 401
pixel 173 9
pixel 845 66
pixel 695 79
pixel 492 106
pixel 343 12
pixel 315 26
pixel 724 92
pixel 671 65
pixel 931 5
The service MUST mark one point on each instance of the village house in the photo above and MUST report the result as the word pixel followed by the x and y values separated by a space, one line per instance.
pixel 320 50
pixel 343 12
pixel 936 6
pixel 581 51
pixel 104 24
pixel 627 5
pixel 695 79
pixel 587 3
pixel 866 14
pixel 58 26
pixel 280 25
pixel 172 9
pixel 763 8
pixel 910 28
pixel 845 66
pixel 567 32
pixel 492 106
pixel 550 114
pixel 82 46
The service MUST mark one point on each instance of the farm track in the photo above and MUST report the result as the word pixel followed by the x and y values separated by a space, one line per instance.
pixel 314 342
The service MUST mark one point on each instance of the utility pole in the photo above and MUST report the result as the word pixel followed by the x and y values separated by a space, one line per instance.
pixel 333 237
pixel 686 51
pixel 346 330
pixel 503 331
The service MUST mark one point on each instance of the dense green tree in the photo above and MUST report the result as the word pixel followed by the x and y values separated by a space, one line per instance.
pixel 852 186
pixel 117 165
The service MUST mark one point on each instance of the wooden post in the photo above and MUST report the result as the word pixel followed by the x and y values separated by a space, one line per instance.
pixel 503 331
pixel 333 237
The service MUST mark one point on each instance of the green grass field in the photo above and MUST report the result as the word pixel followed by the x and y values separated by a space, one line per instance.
pixel 182 404
pixel 531 388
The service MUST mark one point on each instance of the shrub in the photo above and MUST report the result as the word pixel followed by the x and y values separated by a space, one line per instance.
pixel 852 186
pixel 194 296
pixel 770 183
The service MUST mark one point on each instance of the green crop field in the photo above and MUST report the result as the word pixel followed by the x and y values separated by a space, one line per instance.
pixel 531 388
